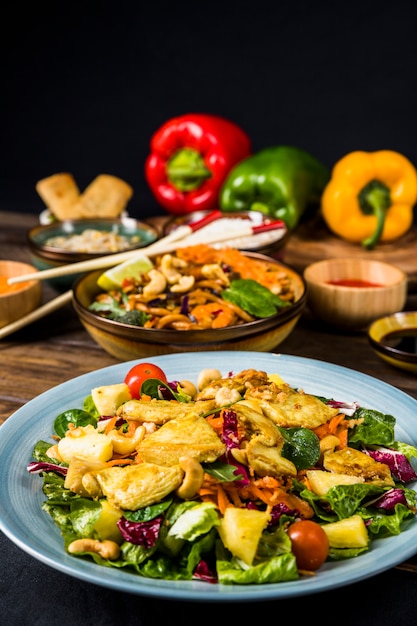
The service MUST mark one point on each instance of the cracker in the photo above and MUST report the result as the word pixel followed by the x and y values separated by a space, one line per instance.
pixel 106 197
pixel 60 193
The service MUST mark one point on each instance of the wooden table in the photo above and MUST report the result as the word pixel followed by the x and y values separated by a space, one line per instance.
pixel 56 349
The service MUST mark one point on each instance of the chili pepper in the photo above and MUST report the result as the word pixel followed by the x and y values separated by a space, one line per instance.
pixel 370 197
pixel 190 157
pixel 280 181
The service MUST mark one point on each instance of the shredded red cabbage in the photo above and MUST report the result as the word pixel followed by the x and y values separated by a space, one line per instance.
pixel 203 572
pixel 140 533
pixel 400 466
pixel 280 509
pixel 36 467
pixel 390 499
pixel 185 309
pixel 230 435
pixel 164 392
pixel 119 422
pixel 241 472
pixel 348 408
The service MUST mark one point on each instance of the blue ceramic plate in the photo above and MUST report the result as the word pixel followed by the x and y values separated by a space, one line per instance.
pixel 23 521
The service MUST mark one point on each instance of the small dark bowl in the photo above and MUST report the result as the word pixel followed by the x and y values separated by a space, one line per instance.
pixel 394 339
pixel 45 256
pixel 269 243
pixel 127 342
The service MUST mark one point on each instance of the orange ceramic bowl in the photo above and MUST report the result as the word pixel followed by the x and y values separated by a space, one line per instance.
pixel 21 298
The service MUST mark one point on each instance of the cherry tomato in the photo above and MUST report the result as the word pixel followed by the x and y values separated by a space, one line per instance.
pixel 310 544
pixel 141 372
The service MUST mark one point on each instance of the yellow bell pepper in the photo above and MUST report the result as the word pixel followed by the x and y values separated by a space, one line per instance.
pixel 370 197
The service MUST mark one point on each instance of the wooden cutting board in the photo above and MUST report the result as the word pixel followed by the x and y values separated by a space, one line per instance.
pixel 312 241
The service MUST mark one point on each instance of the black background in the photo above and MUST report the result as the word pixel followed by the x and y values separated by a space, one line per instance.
pixel 84 86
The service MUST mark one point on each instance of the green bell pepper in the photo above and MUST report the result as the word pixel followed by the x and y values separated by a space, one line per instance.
pixel 280 181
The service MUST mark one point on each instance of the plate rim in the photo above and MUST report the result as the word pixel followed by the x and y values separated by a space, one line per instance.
pixel 193 590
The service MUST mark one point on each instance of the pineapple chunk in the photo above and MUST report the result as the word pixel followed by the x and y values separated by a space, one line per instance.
pixel 86 443
pixel 347 533
pixel 276 378
pixel 320 481
pixel 106 525
pixel 240 531
pixel 108 398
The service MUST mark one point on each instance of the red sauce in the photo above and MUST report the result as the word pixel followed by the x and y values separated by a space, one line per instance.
pixel 353 282
pixel 6 288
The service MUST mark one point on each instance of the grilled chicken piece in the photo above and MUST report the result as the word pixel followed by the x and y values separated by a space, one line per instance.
pixel 255 423
pixel 293 409
pixel 156 411
pixel 186 436
pixel 263 449
pixel 161 411
pixel 135 486
pixel 356 463
pixel 267 460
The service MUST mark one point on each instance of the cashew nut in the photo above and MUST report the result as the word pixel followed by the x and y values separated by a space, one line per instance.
pixel 193 477
pixel 126 445
pixel 184 284
pixel 188 387
pixel 213 270
pixel 157 283
pixel 78 467
pixel 107 549
pixel 227 396
pixel 167 268
pixel 329 443
pixel 207 376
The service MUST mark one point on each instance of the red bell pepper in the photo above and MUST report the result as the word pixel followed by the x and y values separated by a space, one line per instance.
pixel 190 158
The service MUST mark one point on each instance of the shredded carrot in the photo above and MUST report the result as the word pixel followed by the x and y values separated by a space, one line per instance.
pixel 131 429
pixel 342 435
pixel 233 494
pixel 110 425
pixel 268 490
pixel 335 422
pixel 120 461
pixel 222 499
pixel 215 422
pixel 267 274
pixel 336 426
pixel 207 491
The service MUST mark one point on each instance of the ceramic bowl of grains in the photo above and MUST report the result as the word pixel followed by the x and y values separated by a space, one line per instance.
pixel 197 298
pixel 72 241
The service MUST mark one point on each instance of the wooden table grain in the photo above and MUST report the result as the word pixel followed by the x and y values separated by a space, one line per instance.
pixel 57 348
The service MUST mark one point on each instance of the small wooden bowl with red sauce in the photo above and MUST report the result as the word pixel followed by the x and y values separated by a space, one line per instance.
pixel 351 293
pixel 21 298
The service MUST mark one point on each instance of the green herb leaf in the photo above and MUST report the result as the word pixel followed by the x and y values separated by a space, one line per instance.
pixel 253 298
pixel 301 446
pixel 78 417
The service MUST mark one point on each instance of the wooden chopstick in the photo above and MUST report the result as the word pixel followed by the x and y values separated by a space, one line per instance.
pixel 35 315
pixel 158 247
pixel 167 244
